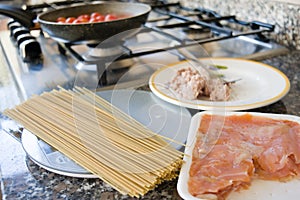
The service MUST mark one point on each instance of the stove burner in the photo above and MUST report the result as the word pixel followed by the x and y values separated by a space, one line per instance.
pixel 114 66
pixel 100 52
pixel 103 59
pixel 197 33
pixel 105 55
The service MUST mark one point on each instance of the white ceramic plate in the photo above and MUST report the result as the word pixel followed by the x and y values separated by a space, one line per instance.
pixel 260 85
pixel 161 117
pixel 259 189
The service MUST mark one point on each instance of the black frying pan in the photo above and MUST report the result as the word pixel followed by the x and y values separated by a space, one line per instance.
pixel 85 32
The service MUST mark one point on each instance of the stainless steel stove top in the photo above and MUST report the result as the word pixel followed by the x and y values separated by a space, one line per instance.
pixel 64 70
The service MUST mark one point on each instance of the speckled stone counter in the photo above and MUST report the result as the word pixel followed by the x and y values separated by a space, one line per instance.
pixel 285 16
pixel 22 179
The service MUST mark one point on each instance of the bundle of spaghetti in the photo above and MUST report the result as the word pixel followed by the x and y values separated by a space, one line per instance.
pixel 101 138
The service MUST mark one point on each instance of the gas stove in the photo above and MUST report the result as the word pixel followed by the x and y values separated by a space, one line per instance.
pixel 39 63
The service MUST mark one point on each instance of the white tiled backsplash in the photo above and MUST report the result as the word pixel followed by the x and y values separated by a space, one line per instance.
pixel 284 14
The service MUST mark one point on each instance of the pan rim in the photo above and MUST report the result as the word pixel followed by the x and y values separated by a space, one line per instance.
pixel 39 17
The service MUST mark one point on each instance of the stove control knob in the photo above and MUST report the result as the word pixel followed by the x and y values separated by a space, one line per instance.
pixel 30 51
pixel 23 37
pixel 13 22
pixel 19 31
pixel 12 25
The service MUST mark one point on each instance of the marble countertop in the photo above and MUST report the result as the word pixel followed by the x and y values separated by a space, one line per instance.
pixel 23 179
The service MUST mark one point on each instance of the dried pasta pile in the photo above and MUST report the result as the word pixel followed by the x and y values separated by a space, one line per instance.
pixel 100 138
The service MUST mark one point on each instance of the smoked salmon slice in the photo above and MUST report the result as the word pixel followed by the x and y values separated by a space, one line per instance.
pixel 248 147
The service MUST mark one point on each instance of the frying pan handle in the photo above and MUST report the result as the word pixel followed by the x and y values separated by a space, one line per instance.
pixel 22 16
